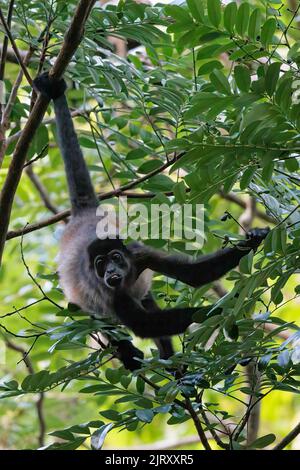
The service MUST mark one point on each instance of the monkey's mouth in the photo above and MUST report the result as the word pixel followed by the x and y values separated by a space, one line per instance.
pixel 114 280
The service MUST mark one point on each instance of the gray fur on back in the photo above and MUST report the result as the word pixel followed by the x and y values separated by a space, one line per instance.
pixel 80 283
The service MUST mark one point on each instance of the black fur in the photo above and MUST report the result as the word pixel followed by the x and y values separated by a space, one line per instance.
pixel 203 270
pixel 128 354
pixel 101 247
pixel 156 323
pixel 81 191
pixel 52 89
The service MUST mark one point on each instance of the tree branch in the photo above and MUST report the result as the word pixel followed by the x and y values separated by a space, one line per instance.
pixel 121 191
pixel 198 425
pixel 41 190
pixel 40 401
pixel 231 197
pixel 71 42
pixel 15 48
pixel 289 438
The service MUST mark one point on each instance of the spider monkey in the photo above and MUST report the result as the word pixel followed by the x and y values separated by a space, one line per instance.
pixel 105 277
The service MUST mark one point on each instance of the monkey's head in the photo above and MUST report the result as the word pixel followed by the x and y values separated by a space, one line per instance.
pixel 112 262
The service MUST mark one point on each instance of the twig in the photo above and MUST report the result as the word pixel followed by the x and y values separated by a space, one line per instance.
pixel 15 48
pixel 45 122
pixel 198 425
pixel 34 280
pixel 287 439
pixel 40 401
pixel 4 125
pixel 10 55
pixel 71 42
pixel 121 191
pixel 231 197
pixel 5 41
pixel 213 432
pixel 41 190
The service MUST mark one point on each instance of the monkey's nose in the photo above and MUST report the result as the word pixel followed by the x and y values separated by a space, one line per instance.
pixel 114 280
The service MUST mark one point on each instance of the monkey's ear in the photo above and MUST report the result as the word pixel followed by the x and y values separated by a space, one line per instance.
pixel 52 89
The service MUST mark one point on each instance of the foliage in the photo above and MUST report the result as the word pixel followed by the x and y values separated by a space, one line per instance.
pixel 213 93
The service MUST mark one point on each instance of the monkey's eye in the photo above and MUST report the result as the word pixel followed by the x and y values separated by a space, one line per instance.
pixel 99 262
pixel 116 257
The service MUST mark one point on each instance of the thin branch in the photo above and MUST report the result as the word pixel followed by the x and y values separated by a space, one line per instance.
pixel 10 55
pixel 4 124
pixel 71 42
pixel 231 197
pixel 34 280
pixel 40 401
pixel 77 112
pixel 5 41
pixel 289 438
pixel 213 432
pixel 198 425
pixel 41 190
pixel 121 191
pixel 15 48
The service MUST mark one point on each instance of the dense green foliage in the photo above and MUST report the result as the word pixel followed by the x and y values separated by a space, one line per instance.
pixel 216 85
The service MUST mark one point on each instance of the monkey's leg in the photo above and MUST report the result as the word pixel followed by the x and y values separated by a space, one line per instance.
pixel 155 323
pixel 203 270
pixel 163 344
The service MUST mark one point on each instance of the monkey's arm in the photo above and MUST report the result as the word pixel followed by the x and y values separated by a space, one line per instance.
pixel 164 343
pixel 203 270
pixel 155 323
pixel 81 191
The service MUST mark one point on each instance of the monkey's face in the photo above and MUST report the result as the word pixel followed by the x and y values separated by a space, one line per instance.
pixel 112 263
pixel 113 268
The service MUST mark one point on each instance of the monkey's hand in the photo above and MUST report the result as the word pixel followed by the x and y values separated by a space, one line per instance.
pixel 129 355
pixel 48 87
pixel 254 237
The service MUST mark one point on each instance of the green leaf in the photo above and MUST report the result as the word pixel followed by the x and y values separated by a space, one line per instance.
pixel 291 164
pixel 268 31
pixel 220 82
pixel 197 10
pixel 230 329
pixel 178 13
pixel 242 77
pixel 272 77
pixel 149 166
pixel 208 67
pixel 245 263
pixel 136 154
pixel 254 24
pixel 230 14
pixel 112 375
pixel 179 190
pixel 242 19
pixel 284 359
pixel 262 442
pixel 214 12
pixel 146 416
pixel 111 414
pixel 98 437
